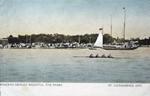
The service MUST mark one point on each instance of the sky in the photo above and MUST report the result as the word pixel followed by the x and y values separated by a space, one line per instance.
pixel 74 17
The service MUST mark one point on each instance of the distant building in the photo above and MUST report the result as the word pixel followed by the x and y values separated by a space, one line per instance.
pixel 4 41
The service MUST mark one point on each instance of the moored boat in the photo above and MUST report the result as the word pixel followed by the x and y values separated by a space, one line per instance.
pixel 124 46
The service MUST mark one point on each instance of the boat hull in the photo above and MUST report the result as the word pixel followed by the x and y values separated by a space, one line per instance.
pixel 113 48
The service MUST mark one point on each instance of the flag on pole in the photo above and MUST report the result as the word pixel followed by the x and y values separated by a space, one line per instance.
pixel 100 28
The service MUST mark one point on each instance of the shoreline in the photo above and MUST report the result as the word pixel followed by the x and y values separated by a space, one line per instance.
pixel 69 48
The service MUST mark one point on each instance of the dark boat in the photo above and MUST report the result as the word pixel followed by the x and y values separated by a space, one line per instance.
pixel 111 48
pixel 125 46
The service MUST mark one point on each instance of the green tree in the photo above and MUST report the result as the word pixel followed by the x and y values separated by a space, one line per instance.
pixel 107 39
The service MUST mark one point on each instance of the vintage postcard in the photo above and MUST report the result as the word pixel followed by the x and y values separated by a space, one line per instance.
pixel 74 47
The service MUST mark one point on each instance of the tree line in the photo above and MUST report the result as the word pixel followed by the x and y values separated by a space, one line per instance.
pixel 61 38
pixel 145 41
pixel 57 38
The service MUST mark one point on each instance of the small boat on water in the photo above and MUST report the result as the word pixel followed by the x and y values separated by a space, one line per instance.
pixel 102 56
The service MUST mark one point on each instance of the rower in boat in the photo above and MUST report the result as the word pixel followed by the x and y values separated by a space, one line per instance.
pixel 109 56
pixel 103 56
pixel 91 56
pixel 97 56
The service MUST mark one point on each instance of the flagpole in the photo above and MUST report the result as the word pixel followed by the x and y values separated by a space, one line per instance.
pixel 111 25
pixel 101 29
pixel 124 24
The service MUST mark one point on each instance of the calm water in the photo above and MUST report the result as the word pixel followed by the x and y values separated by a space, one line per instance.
pixel 60 65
